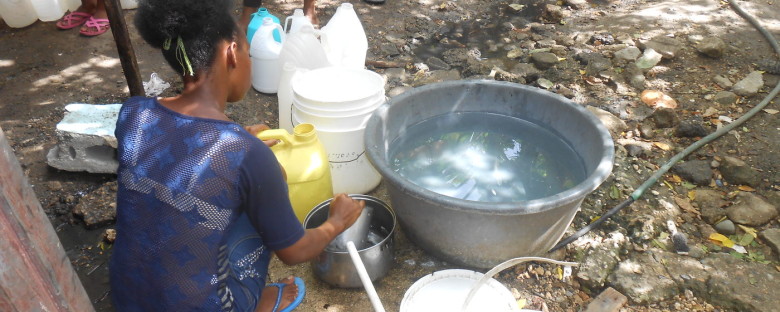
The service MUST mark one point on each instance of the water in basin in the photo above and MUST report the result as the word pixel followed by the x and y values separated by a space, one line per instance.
pixel 486 157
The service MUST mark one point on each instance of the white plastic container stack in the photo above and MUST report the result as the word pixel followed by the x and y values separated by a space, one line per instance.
pixel 301 51
pixel 344 39
pixel 52 10
pixel 339 101
pixel 264 51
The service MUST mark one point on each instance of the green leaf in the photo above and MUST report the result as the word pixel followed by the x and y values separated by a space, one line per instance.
pixel 737 255
pixel 658 244
pixel 688 185
pixel 614 192
pixel 745 240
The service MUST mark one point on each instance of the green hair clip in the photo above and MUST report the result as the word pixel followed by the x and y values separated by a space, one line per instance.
pixel 181 55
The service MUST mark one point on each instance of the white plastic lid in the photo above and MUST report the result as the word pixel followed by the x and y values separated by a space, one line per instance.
pixel 338 84
pixel 446 290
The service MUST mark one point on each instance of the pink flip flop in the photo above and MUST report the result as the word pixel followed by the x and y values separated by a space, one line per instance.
pixel 95 26
pixel 73 19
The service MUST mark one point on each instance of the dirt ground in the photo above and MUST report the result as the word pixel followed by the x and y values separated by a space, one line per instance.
pixel 43 69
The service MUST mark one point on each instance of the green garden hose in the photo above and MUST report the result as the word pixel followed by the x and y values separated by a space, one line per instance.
pixel 690 149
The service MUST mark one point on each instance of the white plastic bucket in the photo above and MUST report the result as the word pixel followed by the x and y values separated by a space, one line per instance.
pixel 351 171
pixel 337 110
pixel 446 290
pixel 348 88
pixel 354 121
pixel 18 13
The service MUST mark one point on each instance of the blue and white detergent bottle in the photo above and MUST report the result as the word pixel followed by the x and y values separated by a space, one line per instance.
pixel 257 21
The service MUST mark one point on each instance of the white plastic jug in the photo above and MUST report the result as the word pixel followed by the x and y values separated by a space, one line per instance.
pixel 304 50
pixel 50 10
pixel 284 95
pixel 344 39
pixel 264 51
pixel 18 13
pixel 294 23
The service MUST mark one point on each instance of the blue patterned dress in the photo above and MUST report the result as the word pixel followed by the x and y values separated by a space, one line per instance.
pixel 200 206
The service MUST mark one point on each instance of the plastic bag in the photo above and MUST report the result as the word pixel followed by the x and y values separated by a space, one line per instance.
pixel 155 86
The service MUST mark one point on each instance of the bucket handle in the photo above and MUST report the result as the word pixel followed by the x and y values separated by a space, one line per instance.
pixel 275 134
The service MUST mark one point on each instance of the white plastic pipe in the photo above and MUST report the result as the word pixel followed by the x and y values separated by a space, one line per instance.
pixel 361 269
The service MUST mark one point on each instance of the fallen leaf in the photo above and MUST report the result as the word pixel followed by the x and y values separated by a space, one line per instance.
pixel 593 80
pixel 675 178
pixel 746 239
pixel 721 240
pixel 685 205
pixel 521 303
pixel 746 188
pixel 710 111
pixel 688 185
pixel 739 249
pixel 582 72
pixel 657 99
pixel 662 146
pixel 748 230
pixel 771 111
pixel 692 195
pixel 559 272
pixel 614 192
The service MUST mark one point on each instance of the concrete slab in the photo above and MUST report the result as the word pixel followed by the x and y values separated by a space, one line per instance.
pixel 86 140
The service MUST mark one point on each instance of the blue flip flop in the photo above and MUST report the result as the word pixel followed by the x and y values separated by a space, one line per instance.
pixel 298 297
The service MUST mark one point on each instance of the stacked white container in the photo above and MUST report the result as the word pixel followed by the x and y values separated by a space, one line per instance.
pixel 264 51
pixel 338 101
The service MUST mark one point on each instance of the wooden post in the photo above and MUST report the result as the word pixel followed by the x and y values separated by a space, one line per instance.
pixel 124 47
pixel 35 272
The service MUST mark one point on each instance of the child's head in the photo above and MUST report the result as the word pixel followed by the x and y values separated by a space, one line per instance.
pixel 188 31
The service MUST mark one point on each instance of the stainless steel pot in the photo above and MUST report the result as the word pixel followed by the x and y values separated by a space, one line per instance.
pixel 335 267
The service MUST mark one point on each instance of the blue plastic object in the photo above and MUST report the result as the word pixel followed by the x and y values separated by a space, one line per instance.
pixel 257 21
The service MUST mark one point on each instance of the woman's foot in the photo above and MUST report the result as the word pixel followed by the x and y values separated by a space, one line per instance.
pixel 270 293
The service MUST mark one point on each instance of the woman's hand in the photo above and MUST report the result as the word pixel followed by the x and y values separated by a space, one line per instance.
pixel 256 129
pixel 344 211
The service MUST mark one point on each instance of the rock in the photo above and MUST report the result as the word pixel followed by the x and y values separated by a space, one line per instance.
pixel 648 60
pixel 54 186
pixel 86 139
pixel 456 57
pixel 646 130
pixel 710 203
pixel 437 63
pixel 544 60
pixel 514 53
pixel 635 150
pixel 553 14
pixel 476 68
pixel 635 77
pixel 109 235
pixel 98 207
pixel 502 75
pixel 750 209
pixel 398 90
pixel 687 272
pixel 438 76
pixel 736 171
pixel 525 70
pixel 602 38
pixel 749 85
pixel 577 4
pixel 395 74
pixel 690 129
pixel 597 262
pixel 597 64
pixel 725 97
pixel 566 92
pixel 665 118
pixel 657 99
pixel 544 83
pixel 773 197
pixel 666 46
pixel 772 238
pixel 696 171
pixel 643 279
pixel 712 47
pixel 628 54
pixel 748 286
pixel 614 124
pixel 389 49
pixel 726 227
pixel 771 66
pixel 722 81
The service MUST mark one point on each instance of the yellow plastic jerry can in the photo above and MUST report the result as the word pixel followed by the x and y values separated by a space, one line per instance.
pixel 306 163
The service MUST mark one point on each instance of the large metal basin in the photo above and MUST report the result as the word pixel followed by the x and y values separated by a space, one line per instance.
pixel 482 234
